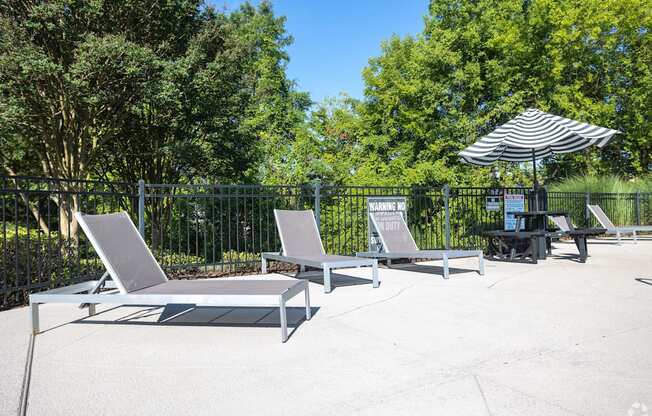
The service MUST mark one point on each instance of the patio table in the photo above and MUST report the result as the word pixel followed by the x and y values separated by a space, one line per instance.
pixel 537 221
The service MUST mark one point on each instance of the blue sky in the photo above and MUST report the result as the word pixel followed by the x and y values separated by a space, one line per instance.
pixel 334 39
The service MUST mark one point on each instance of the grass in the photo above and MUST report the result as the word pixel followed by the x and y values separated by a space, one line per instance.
pixel 603 184
pixel 615 195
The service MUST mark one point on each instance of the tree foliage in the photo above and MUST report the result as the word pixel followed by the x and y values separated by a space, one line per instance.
pixel 175 91
pixel 476 65
pixel 162 91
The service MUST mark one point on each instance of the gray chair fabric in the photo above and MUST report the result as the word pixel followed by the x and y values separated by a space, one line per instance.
pixel 561 222
pixel 219 287
pixel 397 242
pixel 394 232
pixel 597 211
pixel 302 246
pixel 118 243
pixel 298 232
pixel 606 222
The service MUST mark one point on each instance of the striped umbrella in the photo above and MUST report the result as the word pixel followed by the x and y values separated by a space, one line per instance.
pixel 534 135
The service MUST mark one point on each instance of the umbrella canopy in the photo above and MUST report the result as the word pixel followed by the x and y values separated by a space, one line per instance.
pixel 533 135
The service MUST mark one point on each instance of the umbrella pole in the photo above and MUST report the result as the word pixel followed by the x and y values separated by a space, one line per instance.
pixel 536 184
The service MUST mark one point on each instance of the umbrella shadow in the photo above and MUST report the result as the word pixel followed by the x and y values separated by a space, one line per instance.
pixel 567 256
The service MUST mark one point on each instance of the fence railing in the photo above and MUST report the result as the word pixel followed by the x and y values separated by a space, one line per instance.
pixel 40 243
pixel 222 229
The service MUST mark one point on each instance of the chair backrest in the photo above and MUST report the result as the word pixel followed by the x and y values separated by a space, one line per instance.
pixel 393 232
pixel 122 250
pixel 601 217
pixel 298 232
pixel 561 222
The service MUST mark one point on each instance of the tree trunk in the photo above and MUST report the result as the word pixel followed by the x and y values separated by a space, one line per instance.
pixel 68 205
pixel 42 223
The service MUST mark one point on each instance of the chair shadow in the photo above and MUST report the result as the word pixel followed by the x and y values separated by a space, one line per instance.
pixel 428 269
pixel 337 279
pixel 623 240
pixel 644 280
pixel 210 316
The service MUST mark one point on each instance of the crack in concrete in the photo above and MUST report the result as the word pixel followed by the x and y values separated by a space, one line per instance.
pixel 373 303
pixel 484 398
pixel 491 286
pixel 535 398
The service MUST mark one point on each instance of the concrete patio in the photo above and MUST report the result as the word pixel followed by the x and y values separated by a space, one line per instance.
pixel 557 338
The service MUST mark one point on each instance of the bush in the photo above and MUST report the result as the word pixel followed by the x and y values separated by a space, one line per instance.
pixel 603 184
pixel 33 264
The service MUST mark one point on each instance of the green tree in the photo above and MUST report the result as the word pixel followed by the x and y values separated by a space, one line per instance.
pixel 476 65
pixel 65 94
pixel 163 91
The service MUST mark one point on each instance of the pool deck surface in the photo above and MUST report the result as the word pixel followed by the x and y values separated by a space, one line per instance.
pixel 557 338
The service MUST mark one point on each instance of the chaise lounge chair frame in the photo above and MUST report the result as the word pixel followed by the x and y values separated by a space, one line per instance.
pixel 401 245
pixel 137 278
pixel 611 229
pixel 302 245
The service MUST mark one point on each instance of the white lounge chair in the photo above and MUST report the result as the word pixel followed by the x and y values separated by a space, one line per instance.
pixel 301 245
pixel 137 278
pixel 602 218
pixel 398 243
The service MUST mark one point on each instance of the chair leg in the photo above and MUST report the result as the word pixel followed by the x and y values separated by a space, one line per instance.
pixel 263 265
pixel 481 263
pixel 618 237
pixel 446 272
pixel 634 234
pixel 91 309
pixel 327 279
pixel 374 273
pixel 308 310
pixel 284 321
pixel 35 317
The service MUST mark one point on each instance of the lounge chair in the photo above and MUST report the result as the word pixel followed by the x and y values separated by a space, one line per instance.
pixel 397 242
pixel 580 236
pixel 301 245
pixel 612 229
pixel 137 278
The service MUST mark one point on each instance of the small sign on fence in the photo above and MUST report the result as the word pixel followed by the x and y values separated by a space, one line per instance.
pixel 492 201
pixel 513 203
pixel 383 204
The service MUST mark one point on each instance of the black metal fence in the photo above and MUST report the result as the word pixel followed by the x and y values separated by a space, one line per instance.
pixel 39 239
pixel 218 228
pixel 221 229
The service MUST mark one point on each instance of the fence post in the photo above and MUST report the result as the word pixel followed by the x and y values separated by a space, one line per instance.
pixel 317 187
pixel 447 217
pixel 587 201
pixel 638 208
pixel 141 207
